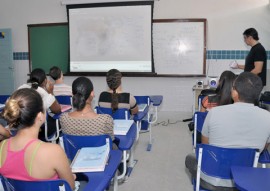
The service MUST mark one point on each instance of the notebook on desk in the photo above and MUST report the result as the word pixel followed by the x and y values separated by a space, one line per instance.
pixel 91 159
pixel 65 108
pixel 142 107
pixel 121 126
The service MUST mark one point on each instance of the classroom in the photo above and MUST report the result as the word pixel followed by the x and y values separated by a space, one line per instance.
pixel 224 33
pixel 226 20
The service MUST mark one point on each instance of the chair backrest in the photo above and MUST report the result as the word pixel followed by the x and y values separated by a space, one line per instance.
pixel 142 99
pixel 200 98
pixel 72 143
pixel 20 185
pixel 198 119
pixel 217 161
pixel 3 98
pixel 121 113
pixel 64 99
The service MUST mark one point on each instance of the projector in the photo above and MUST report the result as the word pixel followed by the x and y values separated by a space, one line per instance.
pixel 212 81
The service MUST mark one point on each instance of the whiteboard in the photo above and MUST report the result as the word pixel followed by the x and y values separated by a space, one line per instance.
pixel 179 46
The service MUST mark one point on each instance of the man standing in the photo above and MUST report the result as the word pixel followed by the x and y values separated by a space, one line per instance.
pixel 256 59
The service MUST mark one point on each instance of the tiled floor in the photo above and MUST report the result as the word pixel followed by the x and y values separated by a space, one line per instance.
pixel 162 169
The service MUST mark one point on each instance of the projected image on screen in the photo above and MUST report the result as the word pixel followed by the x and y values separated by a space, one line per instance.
pixel 102 38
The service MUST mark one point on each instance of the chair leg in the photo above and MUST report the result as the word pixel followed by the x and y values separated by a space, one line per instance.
pixel 138 125
pixel 115 181
pixel 151 121
pixel 149 146
pixel 199 170
pixel 124 166
pixel 131 161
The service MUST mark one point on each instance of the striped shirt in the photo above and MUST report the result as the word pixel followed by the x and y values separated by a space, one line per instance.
pixel 62 89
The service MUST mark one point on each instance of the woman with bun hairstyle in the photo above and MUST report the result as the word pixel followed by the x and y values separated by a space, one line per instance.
pixel 84 121
pixel 24 156
pixel 115 98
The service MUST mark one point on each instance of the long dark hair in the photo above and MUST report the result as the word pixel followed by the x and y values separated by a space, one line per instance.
pixel 81 89
pixel 113 79
pixel 223 90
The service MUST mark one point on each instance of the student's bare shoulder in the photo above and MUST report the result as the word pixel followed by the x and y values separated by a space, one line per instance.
pixel 50 149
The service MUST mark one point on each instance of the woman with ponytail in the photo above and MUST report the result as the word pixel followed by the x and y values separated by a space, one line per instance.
pixel 84 121
pixel 24 156
pixel 39 82
pixel 115 98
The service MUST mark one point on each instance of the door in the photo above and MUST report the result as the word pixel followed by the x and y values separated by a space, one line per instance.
pixel 6 63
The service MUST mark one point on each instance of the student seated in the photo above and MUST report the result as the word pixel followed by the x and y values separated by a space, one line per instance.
pixel 84 121
pixel 115 98
pixel 237 125
pixel 60 88
pixel 222 95
pixel 24 156
pixel 38 82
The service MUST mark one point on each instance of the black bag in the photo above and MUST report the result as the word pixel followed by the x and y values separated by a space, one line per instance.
pixel 265 96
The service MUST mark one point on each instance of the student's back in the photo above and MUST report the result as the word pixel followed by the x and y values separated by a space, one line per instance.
pixel 23 156
pixel 83 120
pixel 115 98
pixel 237 125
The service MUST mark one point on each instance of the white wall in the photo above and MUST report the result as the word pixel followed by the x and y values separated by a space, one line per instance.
pixel 227 19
